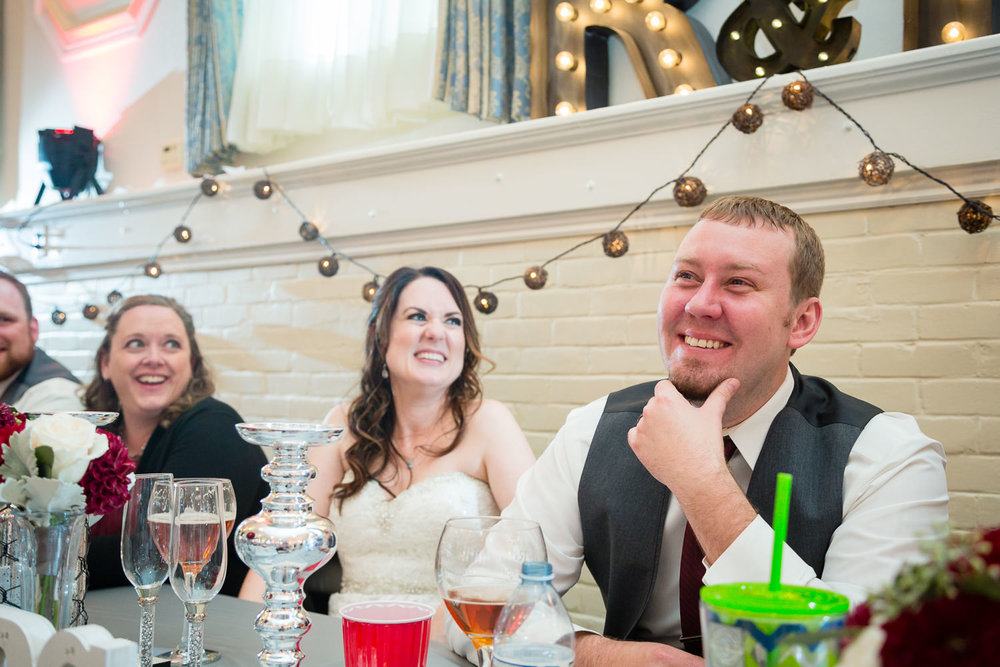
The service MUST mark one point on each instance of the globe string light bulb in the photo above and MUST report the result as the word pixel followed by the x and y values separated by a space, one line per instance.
pixel 90 311
pixel 263 189
pixel 153 270
pixel 486 302
pixel 684 89
pixel 209 186
pixel 328 266
pixel 58 317
pixel 114 296
pixel 600 6
pixel 182 234
pixel 369 290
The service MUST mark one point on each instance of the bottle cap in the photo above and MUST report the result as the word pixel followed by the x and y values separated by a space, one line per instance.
pixel 536 571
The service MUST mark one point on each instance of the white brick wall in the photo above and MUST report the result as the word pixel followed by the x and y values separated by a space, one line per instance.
pixel 911 323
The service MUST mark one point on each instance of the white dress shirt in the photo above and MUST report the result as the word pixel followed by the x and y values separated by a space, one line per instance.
pixel 894 492
pixel 53 395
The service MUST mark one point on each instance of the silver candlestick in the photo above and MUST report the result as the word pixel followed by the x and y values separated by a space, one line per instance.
pixel 286 541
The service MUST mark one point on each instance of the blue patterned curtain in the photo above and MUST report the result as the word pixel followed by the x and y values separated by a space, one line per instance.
pixel 214 28
pixel 484 57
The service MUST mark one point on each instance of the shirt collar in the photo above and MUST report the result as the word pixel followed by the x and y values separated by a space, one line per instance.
pixel 749 434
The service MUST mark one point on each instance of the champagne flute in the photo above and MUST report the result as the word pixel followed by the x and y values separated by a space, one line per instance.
pixel 478 566
pixel 143 558
pixel 197 554
pixel 229 514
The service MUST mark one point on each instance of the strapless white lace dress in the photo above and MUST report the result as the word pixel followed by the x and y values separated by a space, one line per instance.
pixel 387 545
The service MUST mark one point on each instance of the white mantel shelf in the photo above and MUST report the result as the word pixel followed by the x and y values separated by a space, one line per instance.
pixel 940 107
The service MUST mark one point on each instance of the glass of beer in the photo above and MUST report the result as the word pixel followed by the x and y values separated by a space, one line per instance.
pixel 478 566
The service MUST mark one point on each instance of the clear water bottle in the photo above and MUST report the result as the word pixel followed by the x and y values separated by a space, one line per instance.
pixel 534 628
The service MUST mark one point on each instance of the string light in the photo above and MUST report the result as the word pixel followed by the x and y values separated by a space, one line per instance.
pixel 689 191
pixel 776 24
pixel 656 21
pixel 308 231
pixel 262 189
pixel 823 56
pixel 735 35
pixel 669 58
pixel 535 277
pixel 565 61
pixel 759 71
pixel 798 95
pixel 684 89
pixel 566 12
pixel 601 6
pixel 952 32
pixel 748 118
pixel 876 168
pixel 58 317
pixel 486 302
pixel 328 266
pixel 975 216
pixel 209 186
pixel 182 234
pixel 90 311
pixel 615 243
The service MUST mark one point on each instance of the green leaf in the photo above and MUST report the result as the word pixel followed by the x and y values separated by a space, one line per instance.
pixel 45 457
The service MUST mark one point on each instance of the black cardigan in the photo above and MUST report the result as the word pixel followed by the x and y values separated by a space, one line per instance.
pixel 202 442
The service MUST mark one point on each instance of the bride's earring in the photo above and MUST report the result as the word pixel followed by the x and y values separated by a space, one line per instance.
pixel 385 372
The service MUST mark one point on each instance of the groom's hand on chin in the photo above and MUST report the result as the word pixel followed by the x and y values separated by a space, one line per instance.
pixel 593 650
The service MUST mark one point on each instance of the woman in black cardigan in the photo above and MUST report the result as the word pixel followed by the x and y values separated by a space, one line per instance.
pixel 150 370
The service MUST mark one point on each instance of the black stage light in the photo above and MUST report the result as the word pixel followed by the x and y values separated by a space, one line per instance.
pixel 72 159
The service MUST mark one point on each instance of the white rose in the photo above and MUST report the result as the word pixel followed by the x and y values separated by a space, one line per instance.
pixel 74 442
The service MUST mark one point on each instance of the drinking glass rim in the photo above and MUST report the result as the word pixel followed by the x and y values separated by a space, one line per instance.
pixel 425 611
pixel 479 523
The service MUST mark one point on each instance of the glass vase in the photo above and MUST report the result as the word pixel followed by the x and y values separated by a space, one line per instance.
pixel 48 552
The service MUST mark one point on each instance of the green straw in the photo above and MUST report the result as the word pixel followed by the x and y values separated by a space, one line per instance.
pixel 782 497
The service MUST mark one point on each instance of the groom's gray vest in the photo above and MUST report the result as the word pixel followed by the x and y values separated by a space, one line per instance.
pixel 623 507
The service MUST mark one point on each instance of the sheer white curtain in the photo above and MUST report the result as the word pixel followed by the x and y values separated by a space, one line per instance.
pixel 306 66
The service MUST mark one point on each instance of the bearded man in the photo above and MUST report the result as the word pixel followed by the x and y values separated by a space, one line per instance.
pixel 651 483
pixel 30 380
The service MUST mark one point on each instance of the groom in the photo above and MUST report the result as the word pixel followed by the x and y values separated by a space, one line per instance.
pixel 653 482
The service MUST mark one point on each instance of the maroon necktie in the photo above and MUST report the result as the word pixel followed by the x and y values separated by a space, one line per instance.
pixel 692 572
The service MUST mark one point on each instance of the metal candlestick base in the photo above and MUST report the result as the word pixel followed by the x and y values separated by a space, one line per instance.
pixel 287 541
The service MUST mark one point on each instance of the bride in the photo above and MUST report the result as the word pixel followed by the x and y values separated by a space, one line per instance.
pixel 421 445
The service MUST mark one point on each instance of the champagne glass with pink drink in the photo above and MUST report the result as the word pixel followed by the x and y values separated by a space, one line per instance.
pixel 197 554
pixel 143 558
pixel 478 566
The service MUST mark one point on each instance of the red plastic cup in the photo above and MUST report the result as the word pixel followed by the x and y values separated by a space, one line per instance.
pixel 386 633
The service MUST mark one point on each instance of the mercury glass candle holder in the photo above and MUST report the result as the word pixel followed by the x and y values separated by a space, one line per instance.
pixel 286 541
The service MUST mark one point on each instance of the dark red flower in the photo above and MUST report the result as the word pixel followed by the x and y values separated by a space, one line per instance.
pixel 860 616
pixel 106 481
pixel 958 631
pixel 11 422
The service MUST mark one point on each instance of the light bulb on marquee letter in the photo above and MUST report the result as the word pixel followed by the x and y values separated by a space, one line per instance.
pixel 656 21
pixel 565 109
pixel 683 89
pixel 953 32
pixel 669 58
pixel 565 61
pixel 565 12
pixel 600 6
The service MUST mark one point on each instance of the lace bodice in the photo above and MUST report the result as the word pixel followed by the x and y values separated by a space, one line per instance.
pixel 387 545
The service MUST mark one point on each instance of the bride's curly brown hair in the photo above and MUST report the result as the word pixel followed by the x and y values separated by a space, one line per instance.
pixel 372 416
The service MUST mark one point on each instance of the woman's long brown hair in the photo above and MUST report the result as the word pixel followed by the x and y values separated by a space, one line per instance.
pixel 372 416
